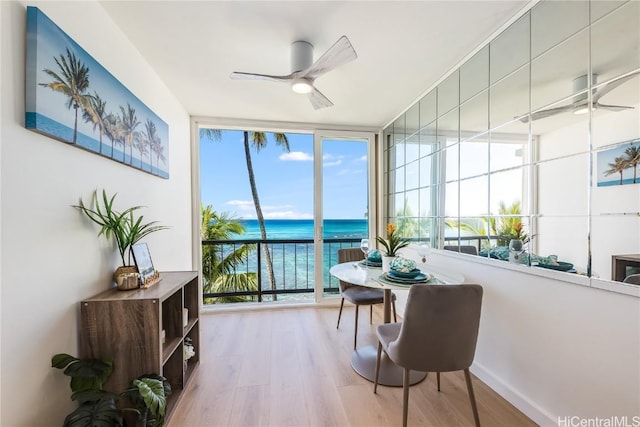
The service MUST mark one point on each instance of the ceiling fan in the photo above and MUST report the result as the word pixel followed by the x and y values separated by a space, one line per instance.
pixel 580 104
pixel 304 71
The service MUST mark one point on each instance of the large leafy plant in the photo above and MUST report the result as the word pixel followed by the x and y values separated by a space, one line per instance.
pixel 97 407
pixel 125 227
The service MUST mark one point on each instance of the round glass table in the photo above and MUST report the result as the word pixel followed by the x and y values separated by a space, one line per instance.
pixel 363 359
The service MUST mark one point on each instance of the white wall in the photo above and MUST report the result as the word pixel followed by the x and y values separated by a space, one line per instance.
pixel 553 348
pixel 50 256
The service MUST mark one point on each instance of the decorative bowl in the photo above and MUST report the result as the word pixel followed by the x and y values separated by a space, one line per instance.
pixel 374 256
pixel 401 264
pixel 405 275
pixel 561 266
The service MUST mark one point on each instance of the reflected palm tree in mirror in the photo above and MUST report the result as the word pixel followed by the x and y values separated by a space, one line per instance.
pixel 618 166
pixel 633 158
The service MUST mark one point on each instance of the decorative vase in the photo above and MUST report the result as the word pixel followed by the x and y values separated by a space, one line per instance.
pixel 516 251
pixel 126 277
pixel 386 261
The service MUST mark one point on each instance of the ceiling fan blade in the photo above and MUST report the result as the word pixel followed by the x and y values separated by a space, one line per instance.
pixel 547 113
pixel 318 100
pixel 611 86
pixel 253 76
pixel 613 107
pixel 340 53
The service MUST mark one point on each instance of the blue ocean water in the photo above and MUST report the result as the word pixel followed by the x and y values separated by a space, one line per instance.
pixel 617 182
pixel 294 263
pixel 54 129
pixel 303 229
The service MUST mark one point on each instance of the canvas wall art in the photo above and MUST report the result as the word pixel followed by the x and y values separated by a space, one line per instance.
pixel 619 165
pixel 72 98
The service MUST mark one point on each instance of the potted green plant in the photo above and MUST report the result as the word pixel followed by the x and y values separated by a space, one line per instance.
pixel 125 227
pixel 97 407
pixel 391 245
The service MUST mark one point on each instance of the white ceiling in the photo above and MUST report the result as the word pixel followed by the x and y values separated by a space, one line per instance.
pixel 403 48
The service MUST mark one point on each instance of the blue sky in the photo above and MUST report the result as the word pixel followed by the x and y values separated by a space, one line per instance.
pixel 284 180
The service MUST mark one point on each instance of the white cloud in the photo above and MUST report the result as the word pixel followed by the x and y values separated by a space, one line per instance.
pixel 241 204
pixel 362 159
pixel 334 163
pixel 287 215
pixel 296 156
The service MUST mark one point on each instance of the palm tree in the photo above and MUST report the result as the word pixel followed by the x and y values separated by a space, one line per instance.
pixel 152 139
pixel 129 124
pixel 96 114
pixel 619 164
pixel 633 158
pixel 112 129
pixel 259 141
pixel 219 270
pixel 73 81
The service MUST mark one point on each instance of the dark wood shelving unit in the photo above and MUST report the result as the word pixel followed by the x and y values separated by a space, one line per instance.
pixel 127 326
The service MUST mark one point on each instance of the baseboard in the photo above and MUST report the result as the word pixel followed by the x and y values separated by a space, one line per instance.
pixel 529 408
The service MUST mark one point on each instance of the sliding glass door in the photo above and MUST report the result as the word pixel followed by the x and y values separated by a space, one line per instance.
pixel 344 199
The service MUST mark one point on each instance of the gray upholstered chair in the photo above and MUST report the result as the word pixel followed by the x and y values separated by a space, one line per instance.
pixel 438 334
pixel 359 295
pixel 463 249
pixel 633 279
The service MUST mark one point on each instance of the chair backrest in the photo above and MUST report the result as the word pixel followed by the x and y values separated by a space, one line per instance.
pixel 440 328
pixel 633 279
pixel 464 249
pixel 349 255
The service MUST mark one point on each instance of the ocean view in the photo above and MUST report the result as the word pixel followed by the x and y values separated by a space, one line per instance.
pixel 294 263
pixel 303 229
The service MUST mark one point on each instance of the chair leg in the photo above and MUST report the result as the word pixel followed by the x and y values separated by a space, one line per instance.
pixel 395 319
pixel 405 397
pixel 340 313
pixel 375 382
pixel 438 379
pixel 355 334
pixel 472 397
pixel 371 314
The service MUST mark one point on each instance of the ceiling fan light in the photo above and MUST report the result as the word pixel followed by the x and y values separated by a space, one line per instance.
pixel 301 86
pixel 583 110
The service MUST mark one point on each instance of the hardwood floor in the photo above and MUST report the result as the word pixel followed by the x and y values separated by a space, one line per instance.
pixel 291 367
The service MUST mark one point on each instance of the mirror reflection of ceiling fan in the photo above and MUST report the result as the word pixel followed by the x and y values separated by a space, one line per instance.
pixel 580 104
pixel 304 71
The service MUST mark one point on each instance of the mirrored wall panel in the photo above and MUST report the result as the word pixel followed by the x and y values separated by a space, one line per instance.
pixel 530 151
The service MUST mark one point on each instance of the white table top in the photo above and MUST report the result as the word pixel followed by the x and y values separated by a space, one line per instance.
pixel 353 272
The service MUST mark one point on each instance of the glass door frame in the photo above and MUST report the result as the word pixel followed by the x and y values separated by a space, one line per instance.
pixel 372 206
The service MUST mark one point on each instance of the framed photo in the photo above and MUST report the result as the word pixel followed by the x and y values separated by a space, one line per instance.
pixel 148 274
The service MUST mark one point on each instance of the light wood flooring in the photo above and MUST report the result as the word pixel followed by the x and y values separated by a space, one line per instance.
pixel 291 367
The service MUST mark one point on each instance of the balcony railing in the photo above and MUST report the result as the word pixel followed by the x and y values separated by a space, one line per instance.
pixel 293 263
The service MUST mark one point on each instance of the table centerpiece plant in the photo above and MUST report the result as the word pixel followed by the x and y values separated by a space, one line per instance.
pixel 392 244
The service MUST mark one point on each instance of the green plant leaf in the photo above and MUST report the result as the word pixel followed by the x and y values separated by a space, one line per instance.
pixel 152 391
pixel 61 360
pixel 100 413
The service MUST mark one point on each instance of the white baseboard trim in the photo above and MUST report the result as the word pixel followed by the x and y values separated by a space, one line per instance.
pixel 529 408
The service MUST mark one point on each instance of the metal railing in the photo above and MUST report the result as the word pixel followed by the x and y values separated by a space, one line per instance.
pixel 293 263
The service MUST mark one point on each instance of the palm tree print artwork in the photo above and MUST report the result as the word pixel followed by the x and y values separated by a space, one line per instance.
pixel 619 165
pixel 72 98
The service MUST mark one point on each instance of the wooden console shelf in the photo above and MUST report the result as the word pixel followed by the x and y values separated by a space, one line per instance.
pixel 127 326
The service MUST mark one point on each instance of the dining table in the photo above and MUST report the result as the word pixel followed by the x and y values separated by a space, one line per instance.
pixel 363 359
